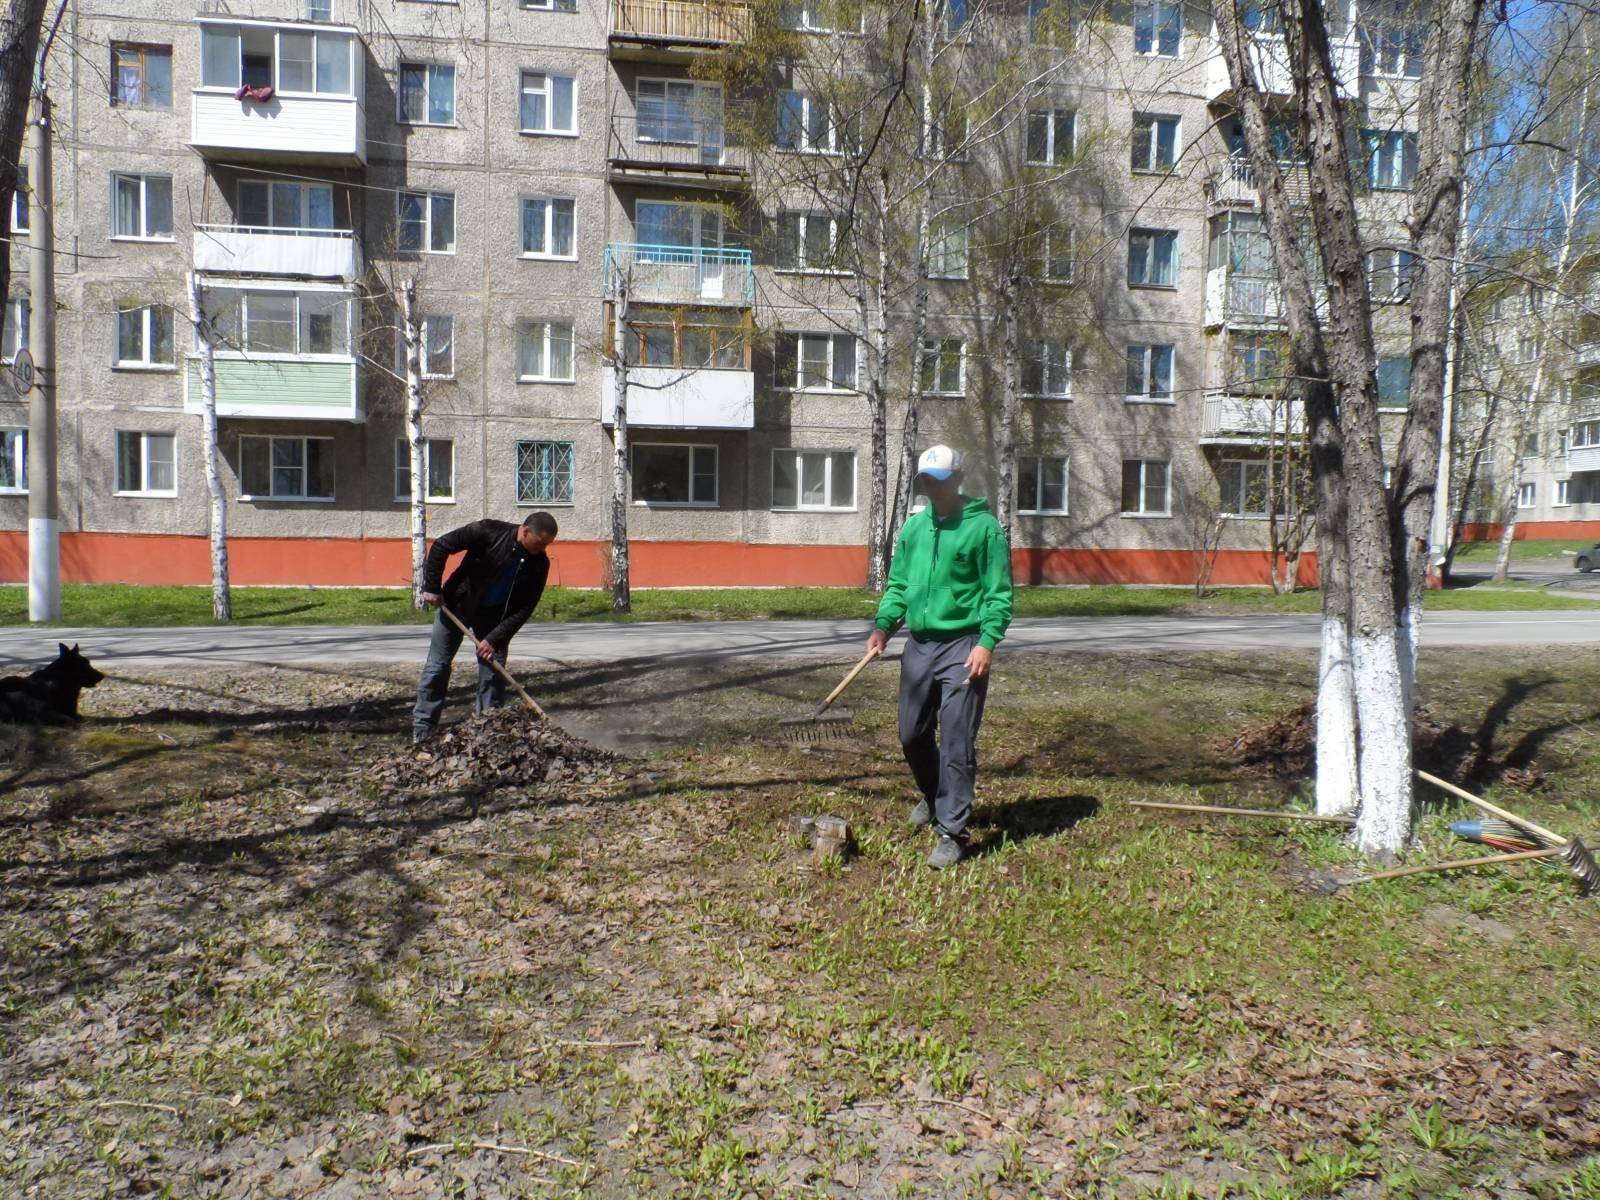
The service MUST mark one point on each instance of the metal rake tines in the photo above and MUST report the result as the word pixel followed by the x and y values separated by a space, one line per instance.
pixel 1576 855
pixel 817 729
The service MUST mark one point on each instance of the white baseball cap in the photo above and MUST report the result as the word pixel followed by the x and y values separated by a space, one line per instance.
pixel 939 462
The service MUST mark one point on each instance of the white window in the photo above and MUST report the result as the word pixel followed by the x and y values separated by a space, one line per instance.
pixel 549 103
pixel 1050 136
pixel 814 480
pixel 438 469
pixel 1389 275
pixel 1041 485
pixel 289 60
pixel 947 249
pixel 944 366
pixel 820 16
pixel 13 461
pixel 546 473
pixel 141 207
pixel 1391 159
pixel 285 468
pixel 283 205
pixel 672 474
pixel 682 112
pixel 815 362
pixel 438 347
pixel 1584 434
pixel 1244 487
pixel 282 322
pixel 426 222
pixel 20 210
pixel 1527 494
pixel 549 227
pixel 144 336
pixel 565 6
pixel 1058 262
pixel 427 94
pixel 147 464
pixel 1562 500
pixel 1152 258
pixel 15 335
pixel 1155 142
pixel 141 76
pixel 1146 490
pixel 1392 49
pixel 1047 370
pixel 807 241
pixel 544 352
pixel 1150 372
pixel 1158 28
pixel 804 123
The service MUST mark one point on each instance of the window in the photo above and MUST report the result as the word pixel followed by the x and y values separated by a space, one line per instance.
pixel 1047 370
pixel 824 362
pixel 544 352
pixel 947 249
pixel 1050 136
pixel 13 461
pixel 664 474
pixel 546 473
pixel 549 103
pixel 548 227
pixel 1244 487
pixel 287 59
pixel 1527 495
pixel 1391 159
pixel 285 468
pixel 1145 488
pixel 1391 49
pixel 438 347
pixel 814 480
pixel 1150 372
pixel 141 207
pixel 955 16
pixel 1394 382
pixel 1260 17
pixel 1530 444
pixel 805 124
pixel 807 241
pixel 1584 434
pixel 20 200
pixel 1041 485
pixel 1155 142
pixel 944 366
pixel 1051 23
pixel 1255 362
pixel 427 222
pixel 427 94
pixel 146 464
pixel 1058 261
pixel 283 322
pixel 274 205
pixel 438 469
pixel 1158 28
pixel 15 335
pixel 682 112
pixel 565 6
pixel 141 76
pixel 1562 500
pixel 1389 275
pixel 144 336
pixel 712 338
pixel 1152 258
pixel 1239 243
pixel 820 16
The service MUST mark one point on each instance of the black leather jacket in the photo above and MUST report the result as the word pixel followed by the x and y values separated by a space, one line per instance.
pixel 490 548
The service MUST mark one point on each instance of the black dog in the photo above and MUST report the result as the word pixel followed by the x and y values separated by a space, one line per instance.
pixel 48 696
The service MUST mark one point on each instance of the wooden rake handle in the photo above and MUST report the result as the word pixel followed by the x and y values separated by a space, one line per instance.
pixel 1460 864
pixel 1446 785
pixel 872 653
pixel 495 663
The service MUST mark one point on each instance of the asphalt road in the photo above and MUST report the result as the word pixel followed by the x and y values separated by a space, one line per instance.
pixel 287 645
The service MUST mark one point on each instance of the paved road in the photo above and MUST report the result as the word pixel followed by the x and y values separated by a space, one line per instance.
pixel 556 643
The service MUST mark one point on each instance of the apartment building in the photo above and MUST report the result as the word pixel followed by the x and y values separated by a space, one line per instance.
pixel 304 157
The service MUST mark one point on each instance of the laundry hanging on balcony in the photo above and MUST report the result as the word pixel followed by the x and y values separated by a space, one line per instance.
pixel 260 94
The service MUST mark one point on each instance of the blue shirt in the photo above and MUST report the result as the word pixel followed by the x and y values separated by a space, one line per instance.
pixel 500 590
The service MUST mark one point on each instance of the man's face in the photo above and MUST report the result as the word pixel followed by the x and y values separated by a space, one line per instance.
pixel 941 492
pixel 531 540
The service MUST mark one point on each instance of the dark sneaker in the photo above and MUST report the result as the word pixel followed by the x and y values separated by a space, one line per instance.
pixel 418 736
pixel 947 853
pixel 921 815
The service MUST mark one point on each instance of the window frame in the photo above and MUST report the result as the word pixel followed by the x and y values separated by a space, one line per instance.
pixel 304 190
pixel 799 263
pixel 1144 487
pixel 428 223
pixel 1048 353
pixel 215 29
pixel 146 339
pixel 517 474
pixel 402 463
pixel 935 351
pixel 22 202
pixel 305 469
pixel 1035 509
pixel 1528 494
pixel 791 350
pixel 144 208
pixel 144 436
pixel 692 449
pixel 1246 467
pixel 548 92
pixel 809 9
pixel 1150 258
pixel 1402 264
pixel 18 314
pixel 1154 8
pixel 549 326
pixel 1399 147
pixel 14 442
pixel 1054 156
pixel 239 298
pixel 1149 356
pixel 144 50
pixel 830 505
pixel 427 67
pixel 424 328
pixel 940 231
pixel 1390 361
pixel 1563 497
pixel 549 203
pixel 1049 258
pixel 804 144
pixel 1152 123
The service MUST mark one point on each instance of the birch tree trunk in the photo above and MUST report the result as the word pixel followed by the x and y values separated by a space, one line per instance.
pixel 621 595
pixel 221 592
pixel 1508 509
pixel 1011 386
pixel 875 335
pixel 20 22
pixel 411 335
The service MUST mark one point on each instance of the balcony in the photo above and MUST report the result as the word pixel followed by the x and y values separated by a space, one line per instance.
pixel 682 398
pixel 691 151
pixel 277 92
pixel 1583 458
pixel 1240 300
pixel 1270 61
pixel 1233 185
pixel 281 387
pixel 684 25
pixel 681 274
pixel 258 250
pixel 1231 419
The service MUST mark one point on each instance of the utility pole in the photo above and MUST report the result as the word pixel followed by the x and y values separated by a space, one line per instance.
pixel 44 518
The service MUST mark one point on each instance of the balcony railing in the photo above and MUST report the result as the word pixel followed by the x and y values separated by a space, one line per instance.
pixel 681 274
pixel 1227 415
pixel 264 250
pixel 689 21
pixel 1270 60
pixel 1235 183
pixel 1241 300
pixel 672 140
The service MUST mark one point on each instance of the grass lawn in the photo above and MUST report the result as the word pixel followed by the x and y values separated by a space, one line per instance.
pixel 127 605
pixel 233 964
pixel 1483 553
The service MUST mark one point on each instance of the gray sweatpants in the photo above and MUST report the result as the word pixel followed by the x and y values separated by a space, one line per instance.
pixel 932 701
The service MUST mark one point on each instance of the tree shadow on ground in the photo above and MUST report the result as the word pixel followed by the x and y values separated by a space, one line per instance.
pixel 1033 817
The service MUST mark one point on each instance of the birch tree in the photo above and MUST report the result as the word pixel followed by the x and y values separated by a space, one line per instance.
pixel 20 22
pixel 206 339
pixel 621 582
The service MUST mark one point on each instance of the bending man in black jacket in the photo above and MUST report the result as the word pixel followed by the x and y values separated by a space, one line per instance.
pixel 493 591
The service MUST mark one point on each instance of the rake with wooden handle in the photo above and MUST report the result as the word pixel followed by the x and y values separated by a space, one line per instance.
pixel 495 663
pixel 1571 851
pixel 817 727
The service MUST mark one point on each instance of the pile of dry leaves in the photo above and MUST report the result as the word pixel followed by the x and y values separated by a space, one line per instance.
pixel 505 747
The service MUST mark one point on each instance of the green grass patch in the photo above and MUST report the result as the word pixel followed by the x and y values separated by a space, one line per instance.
pixel 1522 550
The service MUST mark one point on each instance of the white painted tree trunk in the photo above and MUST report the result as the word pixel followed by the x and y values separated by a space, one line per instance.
pixel 411 334
pixel 221 590
pixel 1011 387
pixel 1338 785
pixel 621 589
pixel 1383 826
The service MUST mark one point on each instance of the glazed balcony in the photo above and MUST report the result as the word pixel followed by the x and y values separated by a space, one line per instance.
pixel 681 274
pixel 263 250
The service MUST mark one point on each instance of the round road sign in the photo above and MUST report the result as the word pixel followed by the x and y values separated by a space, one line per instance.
pixel 22 372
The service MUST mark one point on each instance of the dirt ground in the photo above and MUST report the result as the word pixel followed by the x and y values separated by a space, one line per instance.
pixel 252 944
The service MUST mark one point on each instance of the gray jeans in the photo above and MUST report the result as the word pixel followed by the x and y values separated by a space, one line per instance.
pixel 939 721
pixel 435 680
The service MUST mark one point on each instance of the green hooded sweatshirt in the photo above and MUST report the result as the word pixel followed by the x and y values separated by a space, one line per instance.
pixel 950 577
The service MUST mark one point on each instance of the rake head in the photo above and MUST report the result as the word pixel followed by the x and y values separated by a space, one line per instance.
pixel 1577 857
pixel 817 728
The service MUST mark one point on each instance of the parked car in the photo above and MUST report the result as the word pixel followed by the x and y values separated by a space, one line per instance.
pixel 1589 559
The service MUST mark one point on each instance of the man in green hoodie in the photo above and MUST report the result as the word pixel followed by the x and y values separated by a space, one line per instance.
pixel 950 585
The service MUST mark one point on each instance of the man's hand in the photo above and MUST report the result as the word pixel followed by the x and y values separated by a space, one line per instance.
pixel 978 661
pixel 432 599
pixel 485 651
pixel 878 640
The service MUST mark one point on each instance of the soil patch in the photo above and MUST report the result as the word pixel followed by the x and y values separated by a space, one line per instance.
pixel 505 747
